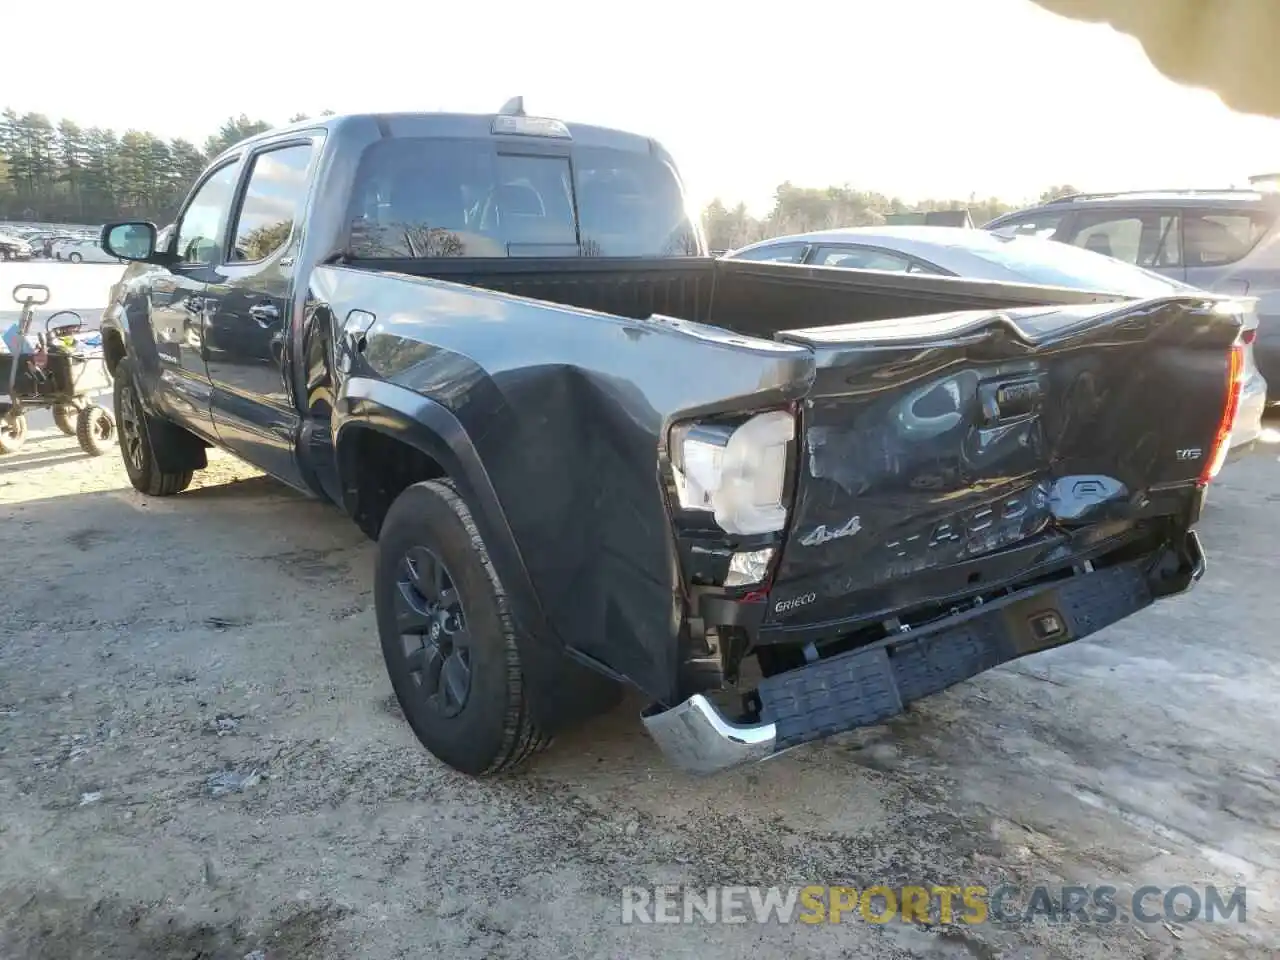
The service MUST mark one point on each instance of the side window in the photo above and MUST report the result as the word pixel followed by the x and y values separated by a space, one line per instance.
pixel 1151 240
pixel 1112 236
pixel 273 202
pixel 1216 238
pixel 774 253
pixel 861 258
pixel 1039 224
pixel 205 219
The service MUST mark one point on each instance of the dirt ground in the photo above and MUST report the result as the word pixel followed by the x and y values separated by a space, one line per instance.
pixel 200 757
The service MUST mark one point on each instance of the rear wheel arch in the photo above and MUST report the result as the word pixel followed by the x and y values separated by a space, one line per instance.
pixel 382 451
pixel 562 689
pixel 376 465
pixel 385 423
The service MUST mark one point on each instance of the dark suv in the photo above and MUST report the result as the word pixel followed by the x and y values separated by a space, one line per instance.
pixel 1227 241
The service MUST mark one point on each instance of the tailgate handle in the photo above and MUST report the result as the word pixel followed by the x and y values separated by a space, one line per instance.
pixel 1007 400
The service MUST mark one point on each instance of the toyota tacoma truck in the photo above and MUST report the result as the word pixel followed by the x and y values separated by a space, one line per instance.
pixel 779 501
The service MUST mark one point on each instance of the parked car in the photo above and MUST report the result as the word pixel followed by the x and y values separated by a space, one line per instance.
pixel 36 241
pixel 14 248
pixel 47 242
pixel 1008 257
pixel 1227 241
pixel 592 455
pixel 42 242
pixel 61 245
pixel 86 250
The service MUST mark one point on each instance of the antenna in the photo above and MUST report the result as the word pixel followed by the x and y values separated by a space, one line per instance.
pixel 512 108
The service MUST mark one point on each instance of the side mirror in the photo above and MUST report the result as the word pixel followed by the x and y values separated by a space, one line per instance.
pixel 131 240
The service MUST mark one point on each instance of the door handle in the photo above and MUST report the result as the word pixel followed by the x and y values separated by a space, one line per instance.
pixel 265 313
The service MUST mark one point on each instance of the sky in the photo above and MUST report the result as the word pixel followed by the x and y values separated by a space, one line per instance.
pixel 914 98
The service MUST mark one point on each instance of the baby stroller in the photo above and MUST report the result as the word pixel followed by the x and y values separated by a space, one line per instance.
pixel 57 370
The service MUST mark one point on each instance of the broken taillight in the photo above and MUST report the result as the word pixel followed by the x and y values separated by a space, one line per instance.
pixel 1222 441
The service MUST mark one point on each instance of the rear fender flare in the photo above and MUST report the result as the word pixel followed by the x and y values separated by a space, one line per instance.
pixel 563 690
pixel 432 428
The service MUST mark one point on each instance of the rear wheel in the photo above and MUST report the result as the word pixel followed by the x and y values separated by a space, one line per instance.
pixel 76 258
pixel 447 636
pixel 96 430
pixel 65 418
pixel 13 433
pixel 136 449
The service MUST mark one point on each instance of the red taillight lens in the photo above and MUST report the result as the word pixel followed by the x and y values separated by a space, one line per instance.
pixel 1248 336
pixel 1221 442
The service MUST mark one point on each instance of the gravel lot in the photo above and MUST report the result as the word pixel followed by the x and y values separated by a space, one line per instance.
pixel 200 757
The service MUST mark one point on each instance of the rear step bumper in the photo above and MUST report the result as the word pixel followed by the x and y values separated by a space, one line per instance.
pixel 696 737
pixel 871 684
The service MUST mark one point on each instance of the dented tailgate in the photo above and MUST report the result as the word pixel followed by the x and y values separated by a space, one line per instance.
pixel 945 454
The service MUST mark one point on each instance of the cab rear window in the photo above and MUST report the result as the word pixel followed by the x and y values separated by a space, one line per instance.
pixel 419 197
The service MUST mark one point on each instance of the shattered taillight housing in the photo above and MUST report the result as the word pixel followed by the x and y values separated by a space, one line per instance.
pixel 737 473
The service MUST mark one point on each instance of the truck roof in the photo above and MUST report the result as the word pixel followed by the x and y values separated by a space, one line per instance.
pixel 447 125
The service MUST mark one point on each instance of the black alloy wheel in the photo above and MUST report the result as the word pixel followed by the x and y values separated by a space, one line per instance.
pixel 131 436
pixel 433 632
pixel 447 634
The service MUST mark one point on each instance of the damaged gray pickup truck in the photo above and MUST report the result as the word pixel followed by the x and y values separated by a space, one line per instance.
pixel 780 501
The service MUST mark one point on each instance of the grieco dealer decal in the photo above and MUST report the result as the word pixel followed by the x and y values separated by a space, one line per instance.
pixel 822 535
pixel 782 606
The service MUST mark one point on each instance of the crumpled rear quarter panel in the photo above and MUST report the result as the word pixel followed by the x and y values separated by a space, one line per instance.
pixel 568 411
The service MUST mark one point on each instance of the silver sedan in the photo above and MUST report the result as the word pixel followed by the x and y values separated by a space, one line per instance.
pixel 983 255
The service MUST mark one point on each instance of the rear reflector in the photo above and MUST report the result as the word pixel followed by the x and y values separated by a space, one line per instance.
pixel 1222 441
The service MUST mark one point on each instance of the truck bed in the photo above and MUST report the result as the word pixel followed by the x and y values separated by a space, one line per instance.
pixel 754 299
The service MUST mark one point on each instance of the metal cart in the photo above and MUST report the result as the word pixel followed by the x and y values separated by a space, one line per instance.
pixel 56 370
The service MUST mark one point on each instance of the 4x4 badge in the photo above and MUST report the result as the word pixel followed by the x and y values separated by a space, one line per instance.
pixel 821 535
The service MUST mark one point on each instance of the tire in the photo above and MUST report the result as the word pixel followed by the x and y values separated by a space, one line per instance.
pixel 135 441
pixel 75 258
pixel 13 434
pixel 65 418
pixel 96 430
pixel 489 729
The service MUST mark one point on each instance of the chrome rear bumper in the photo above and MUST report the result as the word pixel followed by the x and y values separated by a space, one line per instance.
pixel 871 684
pixel 1198 561
pixel 696 737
